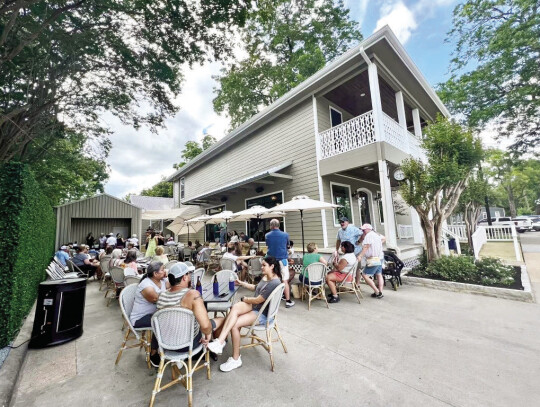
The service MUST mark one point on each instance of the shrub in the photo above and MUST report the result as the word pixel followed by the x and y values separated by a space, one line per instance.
pixel 27 222
pixel 454 268
pixel 492 272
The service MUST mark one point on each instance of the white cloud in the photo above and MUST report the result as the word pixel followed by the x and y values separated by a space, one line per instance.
pixel 400 19
pixel 139 159
pixel 358 9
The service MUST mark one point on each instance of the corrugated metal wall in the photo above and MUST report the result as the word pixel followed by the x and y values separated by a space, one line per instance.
pixel 102 208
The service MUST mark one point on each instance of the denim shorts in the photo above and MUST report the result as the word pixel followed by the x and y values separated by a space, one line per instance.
pixel 263 318
pixel 370 271
pixel 305 280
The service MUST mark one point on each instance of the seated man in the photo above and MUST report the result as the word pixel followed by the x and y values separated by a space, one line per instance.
pixel 181 295
pixel 249 246
pixel 82 261
pixel 241 265
pixel 62 255
pixel 243 237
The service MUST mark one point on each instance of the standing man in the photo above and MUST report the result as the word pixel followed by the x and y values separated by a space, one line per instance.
pixel 348 233
pixel 277 243
pixel 102 241
pixel 111 240
pixel 372 250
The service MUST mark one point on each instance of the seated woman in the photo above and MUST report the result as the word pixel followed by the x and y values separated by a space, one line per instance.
pixel 107 252
pixel 130 264
pixel 144 306
pixel 245 312
pixel 116 260
pixel 311 257
pixel 160 256
pixel 342 266
pixel 83 261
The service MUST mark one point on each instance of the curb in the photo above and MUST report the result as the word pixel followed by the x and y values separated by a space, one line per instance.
pixel 525 295
pixel 9 373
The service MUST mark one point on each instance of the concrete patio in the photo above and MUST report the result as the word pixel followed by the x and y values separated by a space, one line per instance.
pixel 415 347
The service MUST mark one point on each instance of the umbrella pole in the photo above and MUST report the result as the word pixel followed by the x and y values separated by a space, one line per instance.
pixel 188 232
pixel 302 222
pixel 259 238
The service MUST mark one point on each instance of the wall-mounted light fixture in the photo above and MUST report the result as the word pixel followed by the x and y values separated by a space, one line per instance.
pixel 259 189
pixel 223 199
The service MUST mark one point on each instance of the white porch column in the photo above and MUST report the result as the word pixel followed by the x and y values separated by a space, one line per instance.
pixel 388 206
pixel 418 234
pixel 374 89
pixel 416 121
pixel 319 178
pixel 401 109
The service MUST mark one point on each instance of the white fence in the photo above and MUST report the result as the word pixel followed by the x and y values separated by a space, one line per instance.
pixel 405 232
pixel 486 234
pixel 360 131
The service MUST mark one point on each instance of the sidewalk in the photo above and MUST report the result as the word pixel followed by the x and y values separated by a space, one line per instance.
pixel 414 347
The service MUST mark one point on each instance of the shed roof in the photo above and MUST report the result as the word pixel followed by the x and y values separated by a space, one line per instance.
pixel 151 203
pixel 95 197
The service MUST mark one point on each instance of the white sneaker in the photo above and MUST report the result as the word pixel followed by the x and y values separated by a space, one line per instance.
pixel 289 304
pixel 216 346
pixel 231 364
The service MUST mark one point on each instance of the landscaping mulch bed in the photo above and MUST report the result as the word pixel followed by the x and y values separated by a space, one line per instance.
pixel 517 285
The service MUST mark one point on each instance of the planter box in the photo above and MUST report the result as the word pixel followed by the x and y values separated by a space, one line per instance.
pixel 524 295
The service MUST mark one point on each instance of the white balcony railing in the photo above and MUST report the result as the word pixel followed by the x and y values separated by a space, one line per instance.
pixel 360 131
pixel 459 231
pixel 405 232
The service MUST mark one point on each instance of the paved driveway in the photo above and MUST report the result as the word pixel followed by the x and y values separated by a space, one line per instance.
pixel 416 347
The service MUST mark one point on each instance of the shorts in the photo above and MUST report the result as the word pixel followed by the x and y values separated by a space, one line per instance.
pixel 305 280
pixel 284 269
pixel 341 276
pixel 263 318
pixel 370 271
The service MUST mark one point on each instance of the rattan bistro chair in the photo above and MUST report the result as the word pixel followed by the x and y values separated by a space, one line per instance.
pixel 174 329
pixel 170 264
pixel 227 264
pixel 272 304
pixel 106 275
pixel 117 277
pixel 223 307
pixel 141 335
pixel 254 269
pixel 349 285
pixel 195 276
pixel 314 289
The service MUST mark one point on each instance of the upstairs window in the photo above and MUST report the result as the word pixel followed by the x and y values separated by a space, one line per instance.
pixel 182 188
pixel 335 117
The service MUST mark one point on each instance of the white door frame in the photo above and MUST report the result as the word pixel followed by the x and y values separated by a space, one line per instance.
pixel 370 203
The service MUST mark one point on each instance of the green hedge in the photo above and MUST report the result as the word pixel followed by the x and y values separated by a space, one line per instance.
pixel 28 228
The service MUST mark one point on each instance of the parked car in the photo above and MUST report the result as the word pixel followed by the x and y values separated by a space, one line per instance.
pixel 535 223
pixel 502 221
pixel 522 224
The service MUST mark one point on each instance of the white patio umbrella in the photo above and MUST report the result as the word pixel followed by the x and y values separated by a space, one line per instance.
pixel 303 203
pixel 224 216
pixel 196 224
pixel 256 211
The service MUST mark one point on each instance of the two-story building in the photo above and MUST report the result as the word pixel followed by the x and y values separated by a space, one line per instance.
pixel 339 137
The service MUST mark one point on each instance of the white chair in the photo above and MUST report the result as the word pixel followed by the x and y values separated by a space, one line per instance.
pixel 227 264
pixel 73 268
pixel 142 335
pixel 117 277
pixel 131 280
pixel 223 276
pixel 187 253
pixel 348 285
pixel 174 329
pixel 254 269
pixel 272 305
pixel 188 263
pixel 314 289
pixel 170 264
pixel 195 276
pixel 106 277
pixel 204 257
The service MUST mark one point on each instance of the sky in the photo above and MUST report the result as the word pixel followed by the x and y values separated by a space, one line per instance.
pixel 139 159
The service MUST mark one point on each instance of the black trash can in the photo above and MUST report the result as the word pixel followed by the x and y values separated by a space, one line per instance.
pixel 59 312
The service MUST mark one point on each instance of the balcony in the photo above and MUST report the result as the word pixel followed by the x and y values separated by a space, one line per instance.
pixel 360 131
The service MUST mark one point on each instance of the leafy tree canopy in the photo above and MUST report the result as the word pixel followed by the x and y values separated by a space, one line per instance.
pixel 64 62
pixel 285 42
pixel 500 40
pixel 161 189
pixel 192 149
pixel 434 187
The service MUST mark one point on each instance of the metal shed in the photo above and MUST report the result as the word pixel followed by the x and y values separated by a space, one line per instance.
pixel 99 214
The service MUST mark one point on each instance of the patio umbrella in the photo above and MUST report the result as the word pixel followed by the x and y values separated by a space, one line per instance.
pixel 224 216
pixel 256 211
pixel 184 227
pixel 196 223
pixel 303 203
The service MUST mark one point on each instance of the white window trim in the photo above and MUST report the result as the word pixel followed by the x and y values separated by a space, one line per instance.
pixel 350 200
pixel 259 196
pixel 370 203
pixel 180 189
pixel 330 108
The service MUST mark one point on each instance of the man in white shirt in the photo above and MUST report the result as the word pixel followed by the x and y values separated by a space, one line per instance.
pixel 111 240
pixel 372 250
pixel 133 239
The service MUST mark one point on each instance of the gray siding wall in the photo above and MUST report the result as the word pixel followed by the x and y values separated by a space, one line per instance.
pixel 291 137
pixel 99 207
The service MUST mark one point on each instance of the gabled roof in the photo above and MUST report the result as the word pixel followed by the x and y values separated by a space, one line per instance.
pixel 151 203
pixel 94 197
pixel 313 84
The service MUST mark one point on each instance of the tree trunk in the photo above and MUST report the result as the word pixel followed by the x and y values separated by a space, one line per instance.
pixel 511 201
pixel 430 238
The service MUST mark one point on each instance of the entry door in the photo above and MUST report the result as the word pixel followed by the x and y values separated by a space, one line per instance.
pixel 365 208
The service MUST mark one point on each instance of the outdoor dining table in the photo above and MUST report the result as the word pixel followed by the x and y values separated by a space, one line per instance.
pixel 209 296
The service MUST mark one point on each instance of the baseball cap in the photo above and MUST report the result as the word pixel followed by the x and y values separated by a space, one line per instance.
pixel 366 226
pixel 344 219
pixel 63 248
pixel 179 270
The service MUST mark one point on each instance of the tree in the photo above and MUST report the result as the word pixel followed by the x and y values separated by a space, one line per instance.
pixel 286 42
pixel 500 40
pixel 62 63
pixel 192 149
pixel 433 189
pixel 162 189
pixel 65 168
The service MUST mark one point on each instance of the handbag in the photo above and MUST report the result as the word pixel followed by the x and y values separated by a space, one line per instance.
pixel 373 261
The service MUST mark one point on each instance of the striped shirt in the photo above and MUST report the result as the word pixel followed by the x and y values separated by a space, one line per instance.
pixel 174 299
